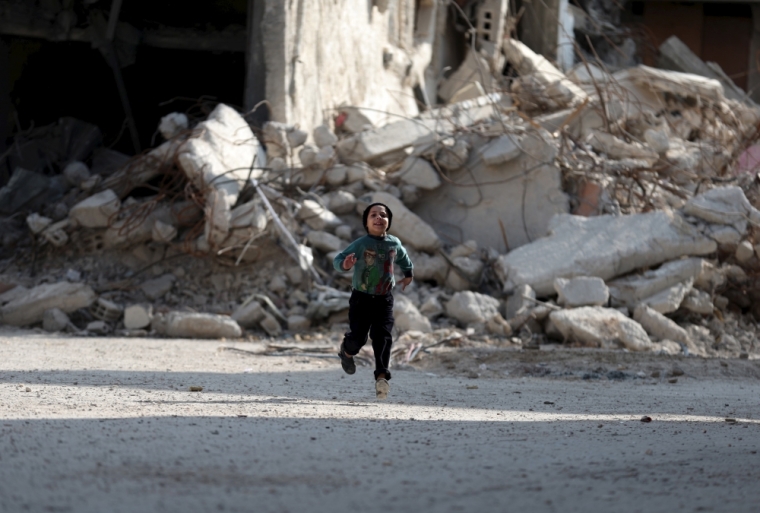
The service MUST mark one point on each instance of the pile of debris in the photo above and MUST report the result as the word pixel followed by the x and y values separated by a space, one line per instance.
pixel 220 229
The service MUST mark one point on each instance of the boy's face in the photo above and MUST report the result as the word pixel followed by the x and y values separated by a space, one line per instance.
pixel 377 221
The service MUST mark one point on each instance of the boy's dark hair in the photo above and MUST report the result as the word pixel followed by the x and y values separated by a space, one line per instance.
pixel 366 215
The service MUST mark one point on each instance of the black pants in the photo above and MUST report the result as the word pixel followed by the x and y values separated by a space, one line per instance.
pixel 371 315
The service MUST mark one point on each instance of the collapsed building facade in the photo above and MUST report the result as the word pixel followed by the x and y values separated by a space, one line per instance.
pixel 543 199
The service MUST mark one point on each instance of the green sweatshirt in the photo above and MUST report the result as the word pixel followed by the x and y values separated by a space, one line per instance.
pixel 373 271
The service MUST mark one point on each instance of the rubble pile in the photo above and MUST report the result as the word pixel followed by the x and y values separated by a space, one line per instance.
pixel 596 209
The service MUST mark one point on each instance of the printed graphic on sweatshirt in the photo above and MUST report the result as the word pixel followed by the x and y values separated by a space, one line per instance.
pixel 377 270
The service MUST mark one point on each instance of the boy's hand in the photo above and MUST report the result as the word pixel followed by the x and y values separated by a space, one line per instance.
pixel 349 262
pixel 405 282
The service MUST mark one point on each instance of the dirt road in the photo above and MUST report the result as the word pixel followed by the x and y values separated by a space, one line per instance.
pixel 109 425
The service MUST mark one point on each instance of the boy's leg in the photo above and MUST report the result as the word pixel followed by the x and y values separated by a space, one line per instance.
pixel 359 323
pixel 380 332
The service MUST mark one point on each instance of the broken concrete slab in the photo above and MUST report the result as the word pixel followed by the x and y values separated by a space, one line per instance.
pixel 660 326
pixel 173 124
pixel 471 307
pixel 408 317
pixel 374 144
pixel 30 307
pixel 138 316
pixel 270 325
pixel 595 326
pixel 97 211
pixel 474 69
pixel 670 299
pixel 724 205
pixel 613 246
pixel 616 148
pixel 221 152
pixel 675 55
pixel 413 231
pixel 500 150
pixel 682 84
pixel 503 206
pixel 464 273
pixel 631 290
pixel 527 62
pixel 158 287
pixel 200 325
pixel 418 172
pixel 54 320
pixel 581 291
pixel 128 233
pixel 430 267
pixel 298 323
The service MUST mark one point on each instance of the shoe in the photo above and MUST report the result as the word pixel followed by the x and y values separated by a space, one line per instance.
pixel 347 362
pixel 382 388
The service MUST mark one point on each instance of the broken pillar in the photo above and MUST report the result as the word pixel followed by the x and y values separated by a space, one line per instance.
pixel 30 307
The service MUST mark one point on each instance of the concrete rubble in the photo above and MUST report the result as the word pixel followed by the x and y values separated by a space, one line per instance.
pixel 598 209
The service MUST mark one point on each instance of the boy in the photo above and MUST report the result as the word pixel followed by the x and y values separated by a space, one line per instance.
pixel 370 308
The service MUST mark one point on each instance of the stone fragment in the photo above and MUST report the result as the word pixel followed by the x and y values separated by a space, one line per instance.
pixel 37 223
pixel 595 326
pixel 681 84
pixel 431 307
pixel 417 172
pixel 581 291
pixel 471 307
pixel 98 328
pixel 631 290
pixel 474 69
pixel 699 302
pixel 294 274
pixel 251 214
pixel 336 175
pixel 344 232
pixel 453 157
pixel 358 172
pixel 325 157
pixel 54 319
pixel 669 300
pixel 162 232
pixel 249 315
pixel 471 91
pixel 307 155
pixel 275 139
pixel 269 324
pixel 520 300
pixel 106 310
pixel 324 242
pixel 76 173
pixel 201 325
pixel 297 137
pixel 138 316
pixel 744 251
pixel 498 326
pixel 613 245
pixel 13 294
pixel 220 153
pixel 23 187
pixel 323 136
pixel 298 323
pixel 500 150
pixel 218 216
pixel 356 120
pixel 408 317
pixel 173 124
pixel 660 326
pixel 657 140
pixel 30 307
pixel 97 210
pixel 412 230
pixel 467 249
pixel 465 273
pixel 277 284
pixel 158 287
pixel 340 202
pixel 430 267
pixel 317 216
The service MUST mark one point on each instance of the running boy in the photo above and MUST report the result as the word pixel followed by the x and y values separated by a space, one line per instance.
pixel 370 309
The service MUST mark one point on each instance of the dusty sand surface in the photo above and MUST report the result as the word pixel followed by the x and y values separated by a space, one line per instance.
pixel 109 425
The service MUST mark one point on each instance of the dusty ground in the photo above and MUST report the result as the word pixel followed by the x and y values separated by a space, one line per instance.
pixel 106 424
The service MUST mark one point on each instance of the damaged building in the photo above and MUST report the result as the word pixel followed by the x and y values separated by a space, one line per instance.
pixel 192 177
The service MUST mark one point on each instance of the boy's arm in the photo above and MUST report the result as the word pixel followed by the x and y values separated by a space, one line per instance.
pixel 340 257
pixel 404 262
